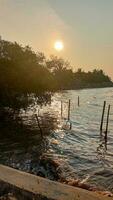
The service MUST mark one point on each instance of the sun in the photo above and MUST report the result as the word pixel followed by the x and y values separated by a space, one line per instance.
pixel 58 45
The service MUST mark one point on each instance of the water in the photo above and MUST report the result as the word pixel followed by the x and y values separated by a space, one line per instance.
pixel 81 152
pixel 81 149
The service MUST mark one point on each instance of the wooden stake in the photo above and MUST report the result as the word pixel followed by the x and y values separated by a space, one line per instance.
pixel 102 118
pixel 78 101
pixel 69 106
pixel 107 123
pixel 61 108
pixel 70 125
pixel 106 144
pixel 39 125
pixel 38 112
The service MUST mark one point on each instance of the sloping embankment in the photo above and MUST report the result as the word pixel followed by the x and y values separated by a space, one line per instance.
pixel 41 187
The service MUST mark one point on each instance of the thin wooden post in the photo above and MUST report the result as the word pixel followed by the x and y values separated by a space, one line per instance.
pixel 102 118
pixel 37 118
pixel 61 108
pixel 69 106
pixel 107 123
pixel 38 112
pixel 78 101
pixel 70 125
pixel 106 144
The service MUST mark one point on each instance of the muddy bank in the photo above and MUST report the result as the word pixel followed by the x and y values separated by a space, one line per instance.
pixel 21 185
pixel 16 188
pixel 57 170
pixel 54 170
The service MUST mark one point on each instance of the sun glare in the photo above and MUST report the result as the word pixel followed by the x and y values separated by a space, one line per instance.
pixel 59 45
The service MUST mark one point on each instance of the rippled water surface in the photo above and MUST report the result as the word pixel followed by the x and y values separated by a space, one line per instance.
pixel 81 152
pixel 82 148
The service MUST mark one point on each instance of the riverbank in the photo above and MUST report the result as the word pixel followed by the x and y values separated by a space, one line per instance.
pixel 38 188
pixel 81 157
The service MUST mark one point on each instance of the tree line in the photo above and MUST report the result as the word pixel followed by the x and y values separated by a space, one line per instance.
pixel 25 74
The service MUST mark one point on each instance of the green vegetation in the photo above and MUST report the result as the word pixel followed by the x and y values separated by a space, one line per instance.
pixel 25 75
pixel 67 79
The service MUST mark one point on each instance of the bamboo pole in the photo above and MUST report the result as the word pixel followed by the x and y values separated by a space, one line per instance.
pixel 61 108
pixel 37 118
pixel 102 118
pixel 107 123
pixel 70 125
pixel 78 101
pixel 69 106
pixel 38 112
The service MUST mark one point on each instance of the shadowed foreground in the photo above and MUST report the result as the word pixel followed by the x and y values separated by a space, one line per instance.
pixel 38 187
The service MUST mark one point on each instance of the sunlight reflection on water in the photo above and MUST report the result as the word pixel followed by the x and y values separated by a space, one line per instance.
pixel 80 151
pixel 82 147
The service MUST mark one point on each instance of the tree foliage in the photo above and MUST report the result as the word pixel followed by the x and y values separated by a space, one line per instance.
pixel 22 73
pixel 25 75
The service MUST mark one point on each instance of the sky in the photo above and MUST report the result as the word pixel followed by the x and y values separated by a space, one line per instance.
pixel 84 26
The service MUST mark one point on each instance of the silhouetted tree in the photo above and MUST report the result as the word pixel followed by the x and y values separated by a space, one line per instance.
pixel 22 75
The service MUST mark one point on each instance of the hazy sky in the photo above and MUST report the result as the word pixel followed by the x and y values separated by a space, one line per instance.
pixel 85 26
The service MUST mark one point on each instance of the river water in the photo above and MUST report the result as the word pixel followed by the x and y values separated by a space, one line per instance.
pixel 81 152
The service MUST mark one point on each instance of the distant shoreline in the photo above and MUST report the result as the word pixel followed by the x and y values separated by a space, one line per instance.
pixel 89 87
